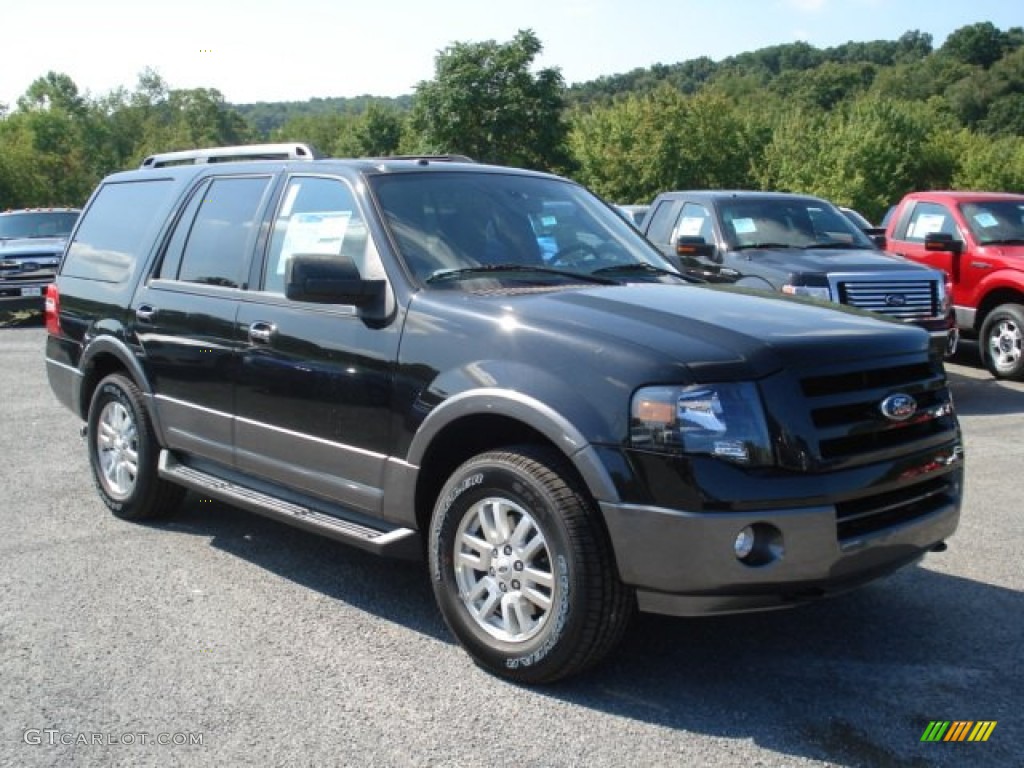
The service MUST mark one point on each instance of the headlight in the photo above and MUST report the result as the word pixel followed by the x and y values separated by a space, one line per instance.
pixel 946 296
pixel 814 291
pixel 721 420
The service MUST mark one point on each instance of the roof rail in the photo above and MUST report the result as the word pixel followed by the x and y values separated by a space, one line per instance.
pixel 427 158
pixel 230 154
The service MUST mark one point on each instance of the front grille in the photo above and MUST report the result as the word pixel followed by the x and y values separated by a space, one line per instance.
pixel 875 513
pixel 850 427
pixel 899 299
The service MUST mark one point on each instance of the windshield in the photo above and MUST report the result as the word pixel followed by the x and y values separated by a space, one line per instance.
pixel 995 221
pixel 454 227
pixel 788 223
pixel 37 224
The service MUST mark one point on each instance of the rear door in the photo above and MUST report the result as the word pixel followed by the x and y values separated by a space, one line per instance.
pixel 185 314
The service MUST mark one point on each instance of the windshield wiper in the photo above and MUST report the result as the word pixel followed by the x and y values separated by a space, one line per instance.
pixel 749 246
pixel 484 269
pixel 639 266
pixel 834 246
pixel 1005 241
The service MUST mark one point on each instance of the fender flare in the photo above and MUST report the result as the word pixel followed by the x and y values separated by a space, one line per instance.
pixel 527 410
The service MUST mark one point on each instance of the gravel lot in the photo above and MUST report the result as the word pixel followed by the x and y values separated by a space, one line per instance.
pixel 274 647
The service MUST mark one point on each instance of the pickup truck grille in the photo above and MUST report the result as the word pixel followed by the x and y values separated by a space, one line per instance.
pixel 896 298
pixel 846 414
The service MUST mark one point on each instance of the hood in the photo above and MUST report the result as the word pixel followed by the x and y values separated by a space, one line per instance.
pixel 825 260
pixel 673 333
pixel 32 246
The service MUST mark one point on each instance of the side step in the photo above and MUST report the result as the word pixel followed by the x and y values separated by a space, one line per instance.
pixel 396 542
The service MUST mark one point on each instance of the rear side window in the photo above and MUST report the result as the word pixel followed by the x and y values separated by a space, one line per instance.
pixel 117 224
pixel 218 242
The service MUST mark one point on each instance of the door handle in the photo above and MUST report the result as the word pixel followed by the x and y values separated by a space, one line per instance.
pixel 145 313
pixel 261 333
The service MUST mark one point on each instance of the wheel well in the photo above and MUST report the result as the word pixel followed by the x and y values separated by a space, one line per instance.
pixel 994 299
pixel 100 366
pixel 458 442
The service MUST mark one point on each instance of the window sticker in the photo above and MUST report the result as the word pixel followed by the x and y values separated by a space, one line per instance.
pixel 986 220
pixel 743 226
pixel 289 200
pixel 314 233
pixel 926 224
pixel 690 226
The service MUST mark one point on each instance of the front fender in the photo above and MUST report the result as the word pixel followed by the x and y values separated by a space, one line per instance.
pixel 559 428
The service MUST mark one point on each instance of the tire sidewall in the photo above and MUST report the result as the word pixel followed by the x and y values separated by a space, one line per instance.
pixel 494 477
pixel 995 317
pixel 114 389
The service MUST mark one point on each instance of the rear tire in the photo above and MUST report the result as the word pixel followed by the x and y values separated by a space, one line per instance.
pixel 123 453
pixel 522 569
pixel 1002 342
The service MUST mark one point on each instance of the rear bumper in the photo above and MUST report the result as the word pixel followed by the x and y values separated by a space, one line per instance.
pixel 684 563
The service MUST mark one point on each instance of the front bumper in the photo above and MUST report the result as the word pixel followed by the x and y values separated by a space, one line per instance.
pixel 684 564
pixel 23 294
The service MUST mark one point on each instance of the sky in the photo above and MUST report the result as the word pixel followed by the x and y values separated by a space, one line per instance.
pixel 262 50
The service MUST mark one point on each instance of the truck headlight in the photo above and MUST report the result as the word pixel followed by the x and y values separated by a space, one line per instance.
pixel 814 291
pixel 721 420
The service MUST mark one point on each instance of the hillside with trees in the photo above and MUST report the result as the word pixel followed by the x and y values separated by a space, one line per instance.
pixel 860 123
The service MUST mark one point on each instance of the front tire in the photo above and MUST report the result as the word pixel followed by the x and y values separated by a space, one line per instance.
pixel 123 453
pixel 1002 342
pixel 522 570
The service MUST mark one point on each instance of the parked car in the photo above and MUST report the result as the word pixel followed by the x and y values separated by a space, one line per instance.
pixel 798 245
pixel 31 243
pixel 977 238
pixel 378 351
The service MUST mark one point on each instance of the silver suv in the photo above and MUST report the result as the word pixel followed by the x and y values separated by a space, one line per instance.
pixel 32 241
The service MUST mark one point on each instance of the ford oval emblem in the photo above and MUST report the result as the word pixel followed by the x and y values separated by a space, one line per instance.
pixel 898 407
pixel 895 300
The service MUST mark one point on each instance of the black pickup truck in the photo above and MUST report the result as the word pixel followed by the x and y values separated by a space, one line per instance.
pixel 798 245
pixel 491 368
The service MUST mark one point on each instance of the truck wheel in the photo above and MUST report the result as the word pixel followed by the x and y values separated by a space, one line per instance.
pixel 123 453
pixel 522 570
pixel 1002 342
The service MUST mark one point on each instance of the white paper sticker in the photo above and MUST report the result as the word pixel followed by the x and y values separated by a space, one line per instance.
pixel 743 226
pixel 986 219
pixel 926 224
pixel 690 226
pixel 319 233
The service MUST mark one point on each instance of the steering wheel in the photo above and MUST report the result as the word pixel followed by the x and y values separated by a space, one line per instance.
pixel 583 253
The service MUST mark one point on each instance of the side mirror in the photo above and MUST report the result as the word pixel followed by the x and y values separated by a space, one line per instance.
pixel 877 236
pixel 942 242
pixel 329 280
pixel 687 246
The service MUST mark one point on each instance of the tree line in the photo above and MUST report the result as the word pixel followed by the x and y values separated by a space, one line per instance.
pixel 861 123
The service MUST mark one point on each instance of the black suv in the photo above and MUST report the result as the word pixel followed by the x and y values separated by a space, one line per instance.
pixel 490 367
pixel 31 243
pixel 802 246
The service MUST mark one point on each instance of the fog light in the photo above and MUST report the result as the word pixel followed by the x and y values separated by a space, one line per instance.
pixel 744 543
pixel 758 544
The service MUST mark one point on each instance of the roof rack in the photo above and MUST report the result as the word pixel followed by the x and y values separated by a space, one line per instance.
pixel 428 158
pixel 230 154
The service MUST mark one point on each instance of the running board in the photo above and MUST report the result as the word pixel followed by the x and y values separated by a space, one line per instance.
pixel 396 542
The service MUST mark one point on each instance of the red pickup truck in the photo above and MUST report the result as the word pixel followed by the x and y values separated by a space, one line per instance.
pixel 978 239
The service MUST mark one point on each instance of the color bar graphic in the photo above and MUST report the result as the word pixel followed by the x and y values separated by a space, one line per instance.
pixel 959 730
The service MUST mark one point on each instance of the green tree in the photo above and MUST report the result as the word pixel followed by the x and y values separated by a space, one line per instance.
pixel 981 44
pixel 486 103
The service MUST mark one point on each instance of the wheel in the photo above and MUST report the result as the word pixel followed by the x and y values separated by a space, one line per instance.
pixel 521 568
pixel 123 453
pixel 1002 342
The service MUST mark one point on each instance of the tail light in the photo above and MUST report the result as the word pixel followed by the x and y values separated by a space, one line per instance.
pixel 52 309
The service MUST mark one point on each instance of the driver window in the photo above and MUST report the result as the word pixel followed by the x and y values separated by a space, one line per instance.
pixel 317 216
pixel 694 222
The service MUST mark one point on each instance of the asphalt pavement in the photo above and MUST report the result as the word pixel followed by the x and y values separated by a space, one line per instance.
pixel 222 638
